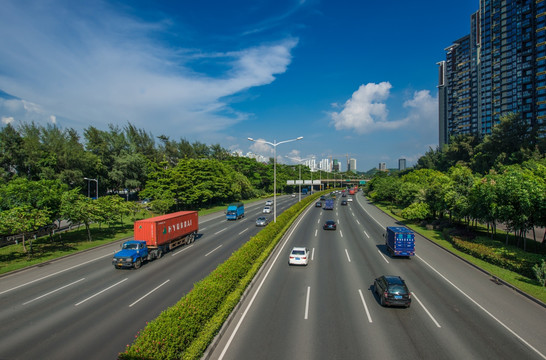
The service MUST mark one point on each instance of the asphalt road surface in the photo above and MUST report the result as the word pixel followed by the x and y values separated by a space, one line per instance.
pixel 80 307
pixel 328 310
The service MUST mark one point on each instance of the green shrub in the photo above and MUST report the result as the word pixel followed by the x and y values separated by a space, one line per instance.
pixel 540 273
pixel 496 253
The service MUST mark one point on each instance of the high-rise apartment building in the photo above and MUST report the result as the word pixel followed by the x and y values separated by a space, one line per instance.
pixel 402 164
pixel 498 68
pixel 382 166
pixel 351 166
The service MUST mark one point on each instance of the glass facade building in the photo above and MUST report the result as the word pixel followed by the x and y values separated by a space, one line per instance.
pixel 500 67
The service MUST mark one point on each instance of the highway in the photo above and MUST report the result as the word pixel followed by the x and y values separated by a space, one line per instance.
pixel 327 310
pixel 80 307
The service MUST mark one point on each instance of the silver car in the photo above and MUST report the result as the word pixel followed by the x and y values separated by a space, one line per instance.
pixel 262 221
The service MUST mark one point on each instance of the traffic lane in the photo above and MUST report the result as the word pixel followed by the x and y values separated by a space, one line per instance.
pixel 89 291
pixel 497 302
pixel 525 317
pixel 290 281
pixel 106 335
pixel 386 324
pixel 182 274
pixel 61 270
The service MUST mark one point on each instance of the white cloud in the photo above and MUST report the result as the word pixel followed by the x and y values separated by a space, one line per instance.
pixel 98 66
pixel 7 120
pixel 365 112
pixel 261 148
pixel 423 108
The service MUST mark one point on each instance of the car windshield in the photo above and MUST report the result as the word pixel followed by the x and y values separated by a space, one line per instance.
pixel 397 289
pixel 298 252
pixel 130 246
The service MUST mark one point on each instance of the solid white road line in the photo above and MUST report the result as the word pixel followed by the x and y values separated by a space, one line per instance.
pixel 184 249
pixel 423 306
pixel 347 253
pixel 58 272
pixel 213 250
pixel 381 225
pixel 149 292
pixel 484 310
pixel 307 303
pixel 365 306
pixel 54 291
pixel 365 233
pixel 100 292
pixel 383 256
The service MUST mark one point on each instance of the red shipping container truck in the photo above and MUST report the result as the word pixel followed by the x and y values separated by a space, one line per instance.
pixel 167 229
pixel 155 237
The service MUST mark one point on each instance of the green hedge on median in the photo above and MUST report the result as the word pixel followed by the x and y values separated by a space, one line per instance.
pixel 185 330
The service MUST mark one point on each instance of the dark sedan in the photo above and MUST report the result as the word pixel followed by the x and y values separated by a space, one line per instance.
pixel 343 202
pixel 329 225
pixel 392 290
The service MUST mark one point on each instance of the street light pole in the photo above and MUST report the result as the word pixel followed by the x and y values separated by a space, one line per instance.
pixel 274 144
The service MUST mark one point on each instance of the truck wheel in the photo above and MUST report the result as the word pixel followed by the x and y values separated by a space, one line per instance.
pixel 159 254
pixel 138 262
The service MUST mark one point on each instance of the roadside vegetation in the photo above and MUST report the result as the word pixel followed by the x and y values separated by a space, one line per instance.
pixel 468 190
pixel 49 175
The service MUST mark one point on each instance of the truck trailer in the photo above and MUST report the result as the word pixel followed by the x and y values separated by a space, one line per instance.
pixel 400 241
pixel 156 236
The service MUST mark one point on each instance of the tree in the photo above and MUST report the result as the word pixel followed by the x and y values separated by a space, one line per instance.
pixel 505 145
pixel 23 220
pixel 11 152
pixel 78 208
pixel 516 190
pixel 484 205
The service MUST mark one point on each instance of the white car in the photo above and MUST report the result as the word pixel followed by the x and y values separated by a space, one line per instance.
pixel 299 256
pixel 350 199
pixel 269 203
pixel 266 210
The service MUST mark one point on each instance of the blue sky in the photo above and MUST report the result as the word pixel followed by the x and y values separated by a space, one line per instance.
pixel 351 77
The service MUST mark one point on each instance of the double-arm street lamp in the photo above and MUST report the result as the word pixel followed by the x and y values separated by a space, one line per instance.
pixel 275 144
pixel 95 180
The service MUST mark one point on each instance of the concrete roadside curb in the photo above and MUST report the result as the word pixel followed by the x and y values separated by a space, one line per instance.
pixel 493 277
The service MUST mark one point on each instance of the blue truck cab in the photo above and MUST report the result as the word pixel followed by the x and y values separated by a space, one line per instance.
pixel 400 241
pixel 132 254
pixel 235 211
